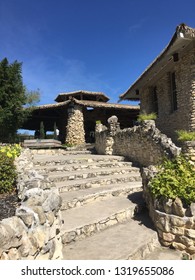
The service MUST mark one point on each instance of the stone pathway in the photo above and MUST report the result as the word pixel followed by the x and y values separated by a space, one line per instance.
pixel 103 214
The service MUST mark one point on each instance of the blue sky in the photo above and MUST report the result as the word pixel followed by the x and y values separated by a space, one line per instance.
pixel 94 45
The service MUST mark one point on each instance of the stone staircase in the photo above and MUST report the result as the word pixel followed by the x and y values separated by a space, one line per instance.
pixel 103 214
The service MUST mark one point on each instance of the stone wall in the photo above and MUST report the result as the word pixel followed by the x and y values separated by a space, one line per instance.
pixel 75 133
pixel 174 223
pixel 143 144
pixel 169 121
pixel 34 231
pixel 188 148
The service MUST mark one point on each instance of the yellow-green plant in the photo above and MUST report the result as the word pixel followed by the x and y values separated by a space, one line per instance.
pixel 176 178
pixel 7 168
pixel 184 135
pixel 11 151
pixel 146 117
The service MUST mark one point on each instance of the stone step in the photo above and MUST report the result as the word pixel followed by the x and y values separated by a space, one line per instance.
pixel 87 165
pixel 164 253
pixel 81 197
pixel 134 239
pixel 91 218
pixel 70 159
pixel 84 174
pixel 72 185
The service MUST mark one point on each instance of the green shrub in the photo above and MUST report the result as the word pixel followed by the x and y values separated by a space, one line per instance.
pixel 184 135
pixel 147 117
pixel 98 122
pixel 176 178
pixel 7 173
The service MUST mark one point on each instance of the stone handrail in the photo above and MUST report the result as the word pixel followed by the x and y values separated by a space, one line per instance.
pixel 143 144
pixel 34 231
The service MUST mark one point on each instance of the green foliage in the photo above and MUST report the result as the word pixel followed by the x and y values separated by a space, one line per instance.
pixel 184 135
pixel 176 178
pixel 7 174
pixel 13 97
pixel 11 151
pixel 98 122
pixel 42 131
pixel 146 117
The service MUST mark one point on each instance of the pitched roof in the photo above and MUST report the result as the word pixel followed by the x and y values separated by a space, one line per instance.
pixel 181 38
pixel 61 96
pixel 87 103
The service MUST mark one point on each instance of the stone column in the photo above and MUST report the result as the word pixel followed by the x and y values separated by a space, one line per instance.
pixel 75 133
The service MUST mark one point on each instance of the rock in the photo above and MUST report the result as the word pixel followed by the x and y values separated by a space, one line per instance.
pixel 191 250
pixel 177 221
pixel 13 254
pixel 190 233
pixel 50 217
pixel 167 205
pixel 185 240
pixel 178 246
pixel 26 215
pixel 52 203
pixel 178 208
pixel 7 236
pixel 68 237
pixel 192 209
pixel 40 213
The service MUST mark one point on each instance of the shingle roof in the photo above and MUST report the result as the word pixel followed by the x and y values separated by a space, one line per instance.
pixel 86 103
pixel 89 93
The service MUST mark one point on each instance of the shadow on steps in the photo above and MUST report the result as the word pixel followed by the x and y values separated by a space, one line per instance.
pixel 141 213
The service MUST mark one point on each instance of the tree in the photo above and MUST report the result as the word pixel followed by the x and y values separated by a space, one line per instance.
pixel 13 97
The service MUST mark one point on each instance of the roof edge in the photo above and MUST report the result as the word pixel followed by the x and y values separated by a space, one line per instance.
pixel 183 32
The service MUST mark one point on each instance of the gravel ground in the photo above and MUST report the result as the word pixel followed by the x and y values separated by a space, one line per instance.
pixel 8 205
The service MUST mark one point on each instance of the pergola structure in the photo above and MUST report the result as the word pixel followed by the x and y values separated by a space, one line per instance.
pixel 76 113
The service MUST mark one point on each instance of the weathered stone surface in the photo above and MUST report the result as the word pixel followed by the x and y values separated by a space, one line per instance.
pixel 25 235
pixel 163 224
pixel 13 254
pixel 178 246
pixel 190 233
pixel 50 217
pixel 167 236
pixel 167 204
pixel 185 240
pixel 40 213
pixel 191 250
pixel 68 237
pixel 178 208
pixel 6 234
pixel 177 221
pixel 144 143
pixel 52 202
pixel 26 215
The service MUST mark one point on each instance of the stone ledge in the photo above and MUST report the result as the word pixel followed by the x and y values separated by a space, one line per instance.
pixel 42 143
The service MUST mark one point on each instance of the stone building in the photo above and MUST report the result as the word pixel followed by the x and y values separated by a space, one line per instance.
pixel 167 86
pixel 76 113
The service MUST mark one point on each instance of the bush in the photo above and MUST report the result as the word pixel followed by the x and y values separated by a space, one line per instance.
pixel 184 135
pixel 11 151
pixel 176 178
pixel 7 174
pixel 147 117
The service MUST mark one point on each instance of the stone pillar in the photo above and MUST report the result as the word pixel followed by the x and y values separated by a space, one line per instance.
pixel 75 133
pixel 113 125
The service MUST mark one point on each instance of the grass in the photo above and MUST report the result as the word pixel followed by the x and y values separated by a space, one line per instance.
pixel 147 117
pixel 184 135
